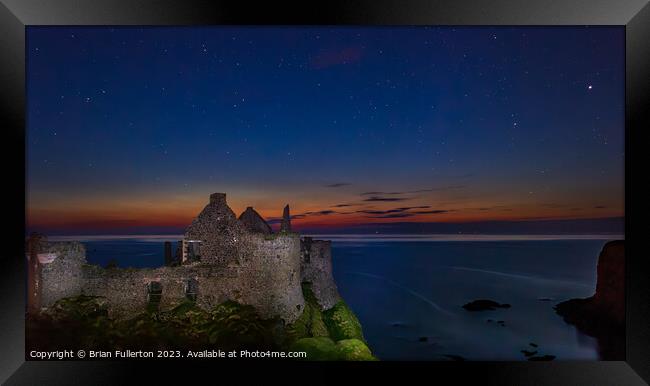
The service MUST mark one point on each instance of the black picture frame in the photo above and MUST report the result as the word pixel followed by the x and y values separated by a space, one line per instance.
pixel 15 15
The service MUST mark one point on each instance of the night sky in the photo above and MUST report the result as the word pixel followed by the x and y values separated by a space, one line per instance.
pixel 130 129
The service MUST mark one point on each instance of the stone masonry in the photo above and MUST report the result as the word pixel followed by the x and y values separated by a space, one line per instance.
pixel 285 226
pixel 254 222
pixel 238 262
pixel 316 256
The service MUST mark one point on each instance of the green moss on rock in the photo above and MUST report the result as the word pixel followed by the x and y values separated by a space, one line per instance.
pixel 354 350
pixel 318 327
pixel 83 322
pixel 325 349
pixel 342 323
pixel 334 334
pixel 301 327
pixel 78 308
pixel 310 323
pixel 318 348
pixel 236 325
pixel 185 307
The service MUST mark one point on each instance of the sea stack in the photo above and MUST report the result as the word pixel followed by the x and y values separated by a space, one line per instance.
pixel 286 220
pixel 603 314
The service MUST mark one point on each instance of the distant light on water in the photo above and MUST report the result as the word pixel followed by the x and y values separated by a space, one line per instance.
pixel 458 237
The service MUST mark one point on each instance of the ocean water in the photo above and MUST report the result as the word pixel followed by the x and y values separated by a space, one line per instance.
pixel 408 291
pixel 408 296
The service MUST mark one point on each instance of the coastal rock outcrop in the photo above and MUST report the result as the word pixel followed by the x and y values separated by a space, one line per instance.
pixel 484 305
pixel 603 314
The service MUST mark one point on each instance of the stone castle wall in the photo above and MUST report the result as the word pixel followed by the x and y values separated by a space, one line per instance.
pixel 63 276
pixel 268 279
pixel 271 276
pixel 236 263
pixel 316 260
pixel 126 289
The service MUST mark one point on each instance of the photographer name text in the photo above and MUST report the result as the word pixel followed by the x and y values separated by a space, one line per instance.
pixel 137 354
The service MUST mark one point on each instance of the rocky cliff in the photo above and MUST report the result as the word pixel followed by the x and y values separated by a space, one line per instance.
pixel 603 314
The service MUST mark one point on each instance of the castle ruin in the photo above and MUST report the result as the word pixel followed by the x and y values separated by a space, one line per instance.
pixel 221 257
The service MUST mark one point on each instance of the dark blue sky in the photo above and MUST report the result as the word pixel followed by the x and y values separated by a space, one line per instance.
pixel 132 128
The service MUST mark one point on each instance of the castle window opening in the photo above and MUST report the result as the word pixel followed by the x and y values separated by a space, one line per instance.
pixel 191 289
pixel 154 295
pixel 190 250
pixel 194 250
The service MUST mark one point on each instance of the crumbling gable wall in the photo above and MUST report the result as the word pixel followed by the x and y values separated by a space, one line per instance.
pixel 253 222
pixel 218 230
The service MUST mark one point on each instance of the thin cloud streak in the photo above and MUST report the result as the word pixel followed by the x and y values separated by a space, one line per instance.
pixel 377 193
pixel 338 185
pixel 386 199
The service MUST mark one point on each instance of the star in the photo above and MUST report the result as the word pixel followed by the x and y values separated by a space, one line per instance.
pixel 590 87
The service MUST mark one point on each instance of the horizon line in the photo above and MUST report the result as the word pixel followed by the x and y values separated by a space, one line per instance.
pixel 369 237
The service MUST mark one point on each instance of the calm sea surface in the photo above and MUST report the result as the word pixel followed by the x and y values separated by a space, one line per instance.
pixel 408 290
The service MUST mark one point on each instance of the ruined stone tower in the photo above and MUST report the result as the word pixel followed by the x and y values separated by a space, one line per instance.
pixel 286 220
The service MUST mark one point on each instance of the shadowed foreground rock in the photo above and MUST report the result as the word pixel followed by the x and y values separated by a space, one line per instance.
pixel 484 305
pixel 603 314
